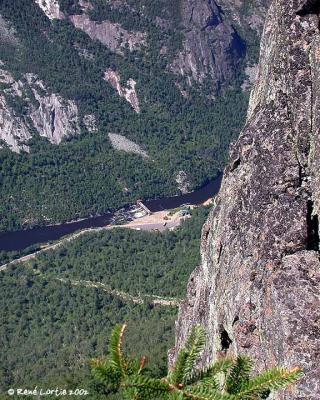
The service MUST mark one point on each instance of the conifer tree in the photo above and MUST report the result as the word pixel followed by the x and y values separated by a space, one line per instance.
pixel 226 379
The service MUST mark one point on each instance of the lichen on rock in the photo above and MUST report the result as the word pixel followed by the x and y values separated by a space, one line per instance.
pixel 257 290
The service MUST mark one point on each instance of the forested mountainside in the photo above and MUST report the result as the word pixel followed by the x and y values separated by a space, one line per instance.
pixel 257 288
pixel 58 310
pixel 170 76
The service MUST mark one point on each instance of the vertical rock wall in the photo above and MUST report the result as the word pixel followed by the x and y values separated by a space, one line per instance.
pixel 212 48
pixel 257 290
pixel 49 114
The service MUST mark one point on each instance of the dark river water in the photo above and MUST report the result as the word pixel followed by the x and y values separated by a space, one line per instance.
pixel 19 240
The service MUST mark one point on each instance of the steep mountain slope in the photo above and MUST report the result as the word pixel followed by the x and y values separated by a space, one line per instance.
pixel 169 76
pixel 216 39
pixel 208 46
pixel 257 290
pixel 49 114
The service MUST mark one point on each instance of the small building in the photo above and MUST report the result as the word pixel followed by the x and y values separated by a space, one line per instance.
pixel 183 213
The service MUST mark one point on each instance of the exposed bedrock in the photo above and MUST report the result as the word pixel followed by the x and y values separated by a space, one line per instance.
pixel 49 114
pixel 212 48
pixel 257 290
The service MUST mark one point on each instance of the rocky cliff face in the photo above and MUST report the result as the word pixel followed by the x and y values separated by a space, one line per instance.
pixel 55 117
pixel 128 92
pixel 26 106
pixel 110 34
pixel 51 8
pixel 257 290
pixel 13 131
pixel 244 12
pixel 212 48
pixel 214 44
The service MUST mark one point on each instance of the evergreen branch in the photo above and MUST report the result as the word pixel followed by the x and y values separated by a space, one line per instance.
pixel 204 393
pixel 183 383
pixel 176 396
pixel 210 382
pixel 104 372
pixel 194 346
pixel 239 374
pixel 148 387
pixel 187 357
pixel 220 366
pixel 115 349
pixel 273 379
pixel 176 375
pixel 142 364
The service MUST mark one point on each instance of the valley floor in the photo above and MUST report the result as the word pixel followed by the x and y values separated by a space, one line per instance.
pixel 156 222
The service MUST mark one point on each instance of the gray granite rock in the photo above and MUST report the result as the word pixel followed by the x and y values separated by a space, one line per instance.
pixel 51 115
pixel 257 290
pixel 212 48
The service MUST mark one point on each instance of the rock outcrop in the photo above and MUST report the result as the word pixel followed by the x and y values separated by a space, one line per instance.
pixel 128 92
pixel 90 123
pixel 244 13
pixel 214 34
pixel 213 48
pixel 26 106
pixel 13 131
pixel 7 33
pixel 51 8
pixel 112 35
pixel 257 290
pixel 55 117
pixel 183 182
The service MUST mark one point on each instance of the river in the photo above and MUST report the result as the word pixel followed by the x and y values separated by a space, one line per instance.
pixel 19 240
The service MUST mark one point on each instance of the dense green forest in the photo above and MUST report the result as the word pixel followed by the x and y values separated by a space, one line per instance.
pixel 50 327
pixel 57 311
pixel 85 175
pixel 133 262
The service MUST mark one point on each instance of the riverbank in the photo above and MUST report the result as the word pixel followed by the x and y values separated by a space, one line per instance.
pixel 156 222
pixel 18 241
